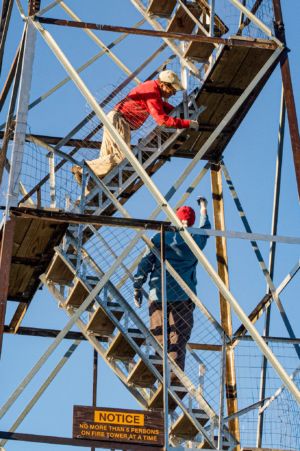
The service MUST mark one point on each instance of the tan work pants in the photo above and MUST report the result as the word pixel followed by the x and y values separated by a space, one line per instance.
pixel 110 153
pixel 180 325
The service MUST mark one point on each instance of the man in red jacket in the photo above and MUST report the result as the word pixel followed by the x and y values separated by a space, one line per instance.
pixel 130 114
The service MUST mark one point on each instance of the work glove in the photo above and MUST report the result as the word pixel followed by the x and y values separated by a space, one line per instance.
pixel 194 125
pixel 138 298
pixel 201 200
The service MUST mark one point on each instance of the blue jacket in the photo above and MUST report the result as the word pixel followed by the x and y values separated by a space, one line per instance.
pixel 179 256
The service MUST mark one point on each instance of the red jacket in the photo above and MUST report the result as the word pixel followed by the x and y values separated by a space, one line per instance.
pixel 146 99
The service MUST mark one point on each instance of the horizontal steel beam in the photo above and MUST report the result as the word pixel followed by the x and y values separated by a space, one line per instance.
pixel 35 438
pixel 74 218
pixel 78 143
pixel 48 333
pixel 284 340
pixel 245 235
pixel 232 42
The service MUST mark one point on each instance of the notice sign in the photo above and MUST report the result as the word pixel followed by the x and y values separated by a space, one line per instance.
pixel 118 425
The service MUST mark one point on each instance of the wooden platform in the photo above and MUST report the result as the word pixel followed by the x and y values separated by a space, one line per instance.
pixel 33 249
pixel 234 69
pixel 232 73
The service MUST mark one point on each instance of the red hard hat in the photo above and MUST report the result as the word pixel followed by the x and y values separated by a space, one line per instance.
pixel 187 214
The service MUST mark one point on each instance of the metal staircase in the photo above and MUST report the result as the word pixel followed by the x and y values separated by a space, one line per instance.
pixel 129 348
pixel 109 322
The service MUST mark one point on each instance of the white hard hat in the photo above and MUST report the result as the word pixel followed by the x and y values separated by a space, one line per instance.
pixel 168 76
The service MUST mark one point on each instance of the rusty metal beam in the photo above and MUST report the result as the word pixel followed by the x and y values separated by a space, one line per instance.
pixel 233 42
pixel 225 311
pixel 78 143
pixel 288 92
pixel 96 220
pixel 35 438
pixel 34 7
pixel 6 249
pixel 45 333
pixel 6 10
pixel 9 79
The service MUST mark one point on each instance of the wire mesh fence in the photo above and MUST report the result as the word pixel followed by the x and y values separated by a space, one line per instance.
pixel 281 411
pixel 202 366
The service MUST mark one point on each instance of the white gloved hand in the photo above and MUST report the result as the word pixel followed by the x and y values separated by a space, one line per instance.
pixel 138 298
pixel 202 201
pixel 194 125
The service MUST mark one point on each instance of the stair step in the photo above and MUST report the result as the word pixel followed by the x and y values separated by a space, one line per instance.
pixel 101 324
pixel 181 22
pixel 121 349
pixel 161 8
pixel 59 272
pixel 219 26
pixel 156 402
pixel 184 428
pixel 206 445
pixel 200 51
pixel 77 295
pixel 141 375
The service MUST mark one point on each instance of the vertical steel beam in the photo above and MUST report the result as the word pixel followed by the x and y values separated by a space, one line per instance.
pixel 21 117
pixel 221 401
pixel 288 92
pixel 225 311
pixel 12 104
pixel 260 423
pixel 95 380
pixel 5 262
pixel 164 301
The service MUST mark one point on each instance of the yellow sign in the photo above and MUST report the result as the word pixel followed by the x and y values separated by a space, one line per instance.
pixel 119 426
pixel 122 418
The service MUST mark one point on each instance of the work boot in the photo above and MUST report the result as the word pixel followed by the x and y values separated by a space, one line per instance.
pixel 77 172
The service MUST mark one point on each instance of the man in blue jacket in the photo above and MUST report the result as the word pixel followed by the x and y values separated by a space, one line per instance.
pixel 180 307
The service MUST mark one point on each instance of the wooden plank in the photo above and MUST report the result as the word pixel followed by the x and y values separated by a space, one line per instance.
pixel 181 22
pixel 186 430
pixel 59 272
pixel 199 51
pixel 161 8
pixel 77 295
pixel 121 349
pixel 101 324
pixel 157 402
pixel 142 376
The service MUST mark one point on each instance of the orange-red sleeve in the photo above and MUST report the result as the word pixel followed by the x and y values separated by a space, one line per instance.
pixel 155 106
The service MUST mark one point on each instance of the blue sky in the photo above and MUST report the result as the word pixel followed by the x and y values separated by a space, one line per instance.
pixel 250 158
